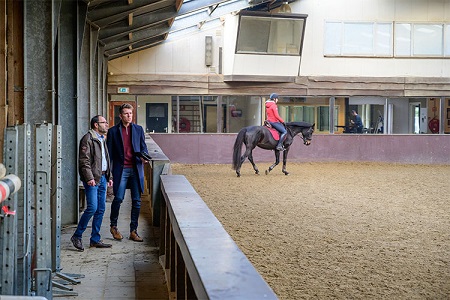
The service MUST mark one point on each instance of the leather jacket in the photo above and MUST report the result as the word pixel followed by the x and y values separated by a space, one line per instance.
pixel 90 158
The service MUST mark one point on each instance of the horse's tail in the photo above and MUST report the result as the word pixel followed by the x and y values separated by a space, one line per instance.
pixel 237 148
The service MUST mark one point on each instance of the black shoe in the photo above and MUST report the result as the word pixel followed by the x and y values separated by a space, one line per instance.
pixel 100 244
pixel 280 148
pixel 77 243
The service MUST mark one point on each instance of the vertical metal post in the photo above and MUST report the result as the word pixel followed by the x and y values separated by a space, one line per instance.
pixel 332 103
pixel 23 213
pixel 43 285
pixel 56 199
pixel 9 226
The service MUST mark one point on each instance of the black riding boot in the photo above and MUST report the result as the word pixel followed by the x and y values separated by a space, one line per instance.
pixel 280 142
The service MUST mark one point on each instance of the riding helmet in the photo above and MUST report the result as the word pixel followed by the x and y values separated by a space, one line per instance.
pixel 273 96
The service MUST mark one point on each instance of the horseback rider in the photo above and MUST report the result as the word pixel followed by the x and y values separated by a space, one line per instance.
pixel 275 120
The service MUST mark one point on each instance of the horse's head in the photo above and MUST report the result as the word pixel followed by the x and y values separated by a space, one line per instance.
pixel 307 133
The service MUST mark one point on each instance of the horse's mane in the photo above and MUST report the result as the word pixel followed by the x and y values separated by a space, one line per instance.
pixel 300 124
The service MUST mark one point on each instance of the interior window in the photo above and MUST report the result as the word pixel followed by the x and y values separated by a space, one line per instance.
pixel 270 35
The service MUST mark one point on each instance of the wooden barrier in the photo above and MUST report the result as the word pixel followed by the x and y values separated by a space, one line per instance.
pixel 152 172
pixel 201 260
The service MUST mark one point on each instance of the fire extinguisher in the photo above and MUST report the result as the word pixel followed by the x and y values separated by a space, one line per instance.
pixel 433 124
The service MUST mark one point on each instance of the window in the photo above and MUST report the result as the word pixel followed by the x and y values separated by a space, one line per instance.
pixel 420 39
pixel 386 39
pixel 265 34
pixel 358 39
pixel 242 111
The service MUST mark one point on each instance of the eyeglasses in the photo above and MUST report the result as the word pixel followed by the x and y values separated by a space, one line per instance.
pixel 102 122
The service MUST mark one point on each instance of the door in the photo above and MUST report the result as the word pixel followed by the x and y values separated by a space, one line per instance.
pixel 414 117
pixel 114 106
pixel 210 118
pixel 157 117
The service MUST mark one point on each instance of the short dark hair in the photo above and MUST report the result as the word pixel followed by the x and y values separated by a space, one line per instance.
pixel 94 120
pixel 125 105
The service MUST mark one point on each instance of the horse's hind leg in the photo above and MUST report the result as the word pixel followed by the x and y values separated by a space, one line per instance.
pixel 250 158
pixel 238 169
pixel 285 154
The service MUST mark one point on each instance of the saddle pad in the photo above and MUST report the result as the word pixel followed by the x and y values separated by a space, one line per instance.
pixel 275 133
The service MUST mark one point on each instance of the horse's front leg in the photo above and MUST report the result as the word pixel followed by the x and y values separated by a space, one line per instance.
pixel 250 158
pixel 277 161
pixel 285 154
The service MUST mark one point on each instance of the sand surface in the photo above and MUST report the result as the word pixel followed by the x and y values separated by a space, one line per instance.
pixel 337 230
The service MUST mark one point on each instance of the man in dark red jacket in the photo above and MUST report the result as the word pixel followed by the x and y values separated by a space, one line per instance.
pixel 275 120
pixel 125 142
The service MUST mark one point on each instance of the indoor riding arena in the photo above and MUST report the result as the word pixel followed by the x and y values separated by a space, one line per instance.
pixel 348 230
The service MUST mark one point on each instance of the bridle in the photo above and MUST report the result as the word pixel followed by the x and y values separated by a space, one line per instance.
pixel 305 140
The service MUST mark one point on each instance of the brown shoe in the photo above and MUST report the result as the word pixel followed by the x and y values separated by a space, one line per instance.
pixel 135 237
pixel 116 233
pixel 77 243
pixel 100 244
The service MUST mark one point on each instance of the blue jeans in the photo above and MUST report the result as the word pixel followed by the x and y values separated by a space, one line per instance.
pixel 95 202
pixel 130 179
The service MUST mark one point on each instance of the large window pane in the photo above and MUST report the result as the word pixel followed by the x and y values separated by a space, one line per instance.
pixel 285 36
pixel 333 38
pixel 428 39
pixel 358 39
pixel 383 39
pixel 403 39
pixel 188 118
pixel 242 111
pixel 447 40
pixel 253 34
pixel 269 35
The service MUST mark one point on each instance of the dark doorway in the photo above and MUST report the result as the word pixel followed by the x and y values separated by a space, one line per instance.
pixel 157 117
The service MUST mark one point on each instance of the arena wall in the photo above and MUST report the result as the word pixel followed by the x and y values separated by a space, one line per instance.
pixel 218 148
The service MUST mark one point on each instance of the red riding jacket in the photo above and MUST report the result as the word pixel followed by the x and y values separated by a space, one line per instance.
pixel 272 112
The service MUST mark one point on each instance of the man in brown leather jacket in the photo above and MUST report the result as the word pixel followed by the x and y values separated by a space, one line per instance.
pixel 95 173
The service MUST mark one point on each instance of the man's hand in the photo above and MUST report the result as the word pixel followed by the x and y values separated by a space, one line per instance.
pixel 91 182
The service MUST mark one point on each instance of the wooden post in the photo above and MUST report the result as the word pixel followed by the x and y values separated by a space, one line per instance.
pixel 14 63
pixel 3 102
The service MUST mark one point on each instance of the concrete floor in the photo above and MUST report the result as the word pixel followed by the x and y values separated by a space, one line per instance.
pixel 128 270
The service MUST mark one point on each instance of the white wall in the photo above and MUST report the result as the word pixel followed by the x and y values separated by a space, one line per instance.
pixel 186 55
pixel 183 56
pixel 315 64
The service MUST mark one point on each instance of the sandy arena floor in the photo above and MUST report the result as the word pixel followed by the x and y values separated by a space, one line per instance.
pixel 337 230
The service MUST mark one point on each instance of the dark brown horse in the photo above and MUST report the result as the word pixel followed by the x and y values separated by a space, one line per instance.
pixel 253 136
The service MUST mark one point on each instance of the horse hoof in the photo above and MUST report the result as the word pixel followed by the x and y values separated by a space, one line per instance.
pixel 286 173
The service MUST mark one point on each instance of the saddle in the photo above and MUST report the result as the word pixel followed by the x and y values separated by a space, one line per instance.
pixel 275 133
